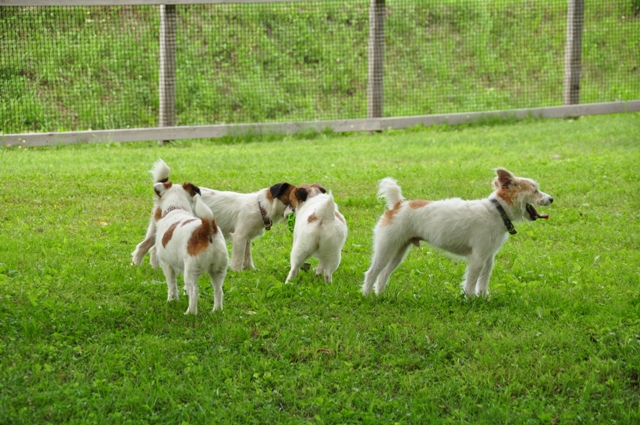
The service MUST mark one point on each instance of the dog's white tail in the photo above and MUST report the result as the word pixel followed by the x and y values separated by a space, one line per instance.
pixel 327 211
pixel 160 172
pixel 390 191
pixel 204 213
pixel 202 210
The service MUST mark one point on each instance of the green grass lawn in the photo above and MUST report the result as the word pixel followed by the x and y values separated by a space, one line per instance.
pixel 86 337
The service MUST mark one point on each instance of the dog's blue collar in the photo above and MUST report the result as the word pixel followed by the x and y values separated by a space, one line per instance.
pixel 505 218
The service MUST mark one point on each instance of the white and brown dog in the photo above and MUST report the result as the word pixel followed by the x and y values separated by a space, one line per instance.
pixel 320 230
pixel 188 245
pixel 242 217
pixel 160 173
pixel 472 229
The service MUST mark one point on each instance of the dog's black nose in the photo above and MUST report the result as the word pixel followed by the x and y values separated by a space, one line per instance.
pixel 550 201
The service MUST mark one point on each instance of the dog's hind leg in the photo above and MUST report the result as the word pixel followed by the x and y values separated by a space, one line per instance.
pixel 482 287
pixel 299 253
pixel 172 286
pixel 371 276
pixel 153 258
pixel 384 252
pixel 292 273
pixel 328 276
pixel 191 285
pixel 378 263
pixel 328 265
pixel 143 247
pixel 383 277
pixel 217 278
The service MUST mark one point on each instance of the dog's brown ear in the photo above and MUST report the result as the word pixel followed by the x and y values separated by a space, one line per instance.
pixel 192 189
pixel 505 179
pixel 278 189
pixel 320 187
pixel 161 188
pixel 301 194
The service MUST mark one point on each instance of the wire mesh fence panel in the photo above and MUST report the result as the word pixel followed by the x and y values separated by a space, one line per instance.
pixel 611 51
pixel 78 68
pixel 450 56
pixel 98 67
pixel 272 62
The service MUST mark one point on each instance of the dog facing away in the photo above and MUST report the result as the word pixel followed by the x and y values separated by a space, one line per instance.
pixel 473 229
pixel 242 217
pixel 160 173
pixel 188 245
pixel 320 231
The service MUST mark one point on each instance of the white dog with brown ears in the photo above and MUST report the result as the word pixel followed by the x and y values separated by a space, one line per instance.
pixel 242 217
pixel 320 230
pixel 188 245
pixel 472 229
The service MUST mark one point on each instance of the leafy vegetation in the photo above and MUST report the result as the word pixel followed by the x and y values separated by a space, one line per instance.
pixel 86 337
pixel 78 68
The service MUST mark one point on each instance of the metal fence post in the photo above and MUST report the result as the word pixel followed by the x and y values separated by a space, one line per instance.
pixel 573 52
pixel 375 93
pixel 167 66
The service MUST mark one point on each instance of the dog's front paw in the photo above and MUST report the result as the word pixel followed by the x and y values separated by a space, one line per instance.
pixel 173 297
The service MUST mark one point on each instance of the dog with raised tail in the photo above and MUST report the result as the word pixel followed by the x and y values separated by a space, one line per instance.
pixel 474 229
pixel 189 245
pixel 160 174
pixel 242 217
pixel 319 231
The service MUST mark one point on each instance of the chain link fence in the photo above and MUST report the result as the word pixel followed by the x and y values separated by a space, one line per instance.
pixel 70 68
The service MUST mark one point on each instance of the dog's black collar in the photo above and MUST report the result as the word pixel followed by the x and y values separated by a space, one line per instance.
pixel 266 220
pixel 168 210
pixel 507 222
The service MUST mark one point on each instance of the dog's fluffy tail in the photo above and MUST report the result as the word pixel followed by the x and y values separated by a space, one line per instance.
pixel 327 211
pixel 160 172
pixel 390 191
pixel 202 210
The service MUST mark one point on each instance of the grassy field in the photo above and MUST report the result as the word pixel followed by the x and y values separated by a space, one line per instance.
pixel 86 337
pixel 79 68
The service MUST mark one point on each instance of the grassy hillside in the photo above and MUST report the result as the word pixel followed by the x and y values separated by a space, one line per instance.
pixel 86 337
pixel 76 68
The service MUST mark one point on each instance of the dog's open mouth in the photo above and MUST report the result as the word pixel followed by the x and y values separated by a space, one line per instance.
pixel 533 214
